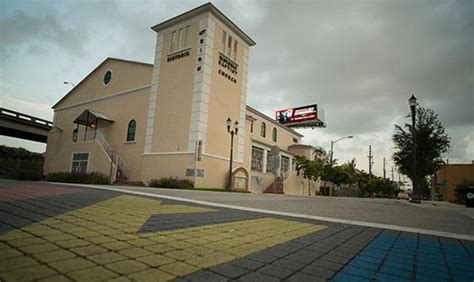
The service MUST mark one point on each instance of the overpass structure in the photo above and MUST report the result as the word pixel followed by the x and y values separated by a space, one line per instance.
pixel 18 125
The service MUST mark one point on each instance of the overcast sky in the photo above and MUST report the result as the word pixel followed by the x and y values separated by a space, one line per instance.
pixel 359 60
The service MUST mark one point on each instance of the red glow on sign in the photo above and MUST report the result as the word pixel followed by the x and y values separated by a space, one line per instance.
pixel 292 115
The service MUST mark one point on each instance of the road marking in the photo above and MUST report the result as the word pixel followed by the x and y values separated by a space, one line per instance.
pixel 104 237
pixel 289 214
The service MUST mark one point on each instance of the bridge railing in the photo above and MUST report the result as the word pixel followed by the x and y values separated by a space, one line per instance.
pixel 9 114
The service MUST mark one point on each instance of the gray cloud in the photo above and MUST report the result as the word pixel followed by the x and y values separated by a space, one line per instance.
pixel 360 61
pixel 37 34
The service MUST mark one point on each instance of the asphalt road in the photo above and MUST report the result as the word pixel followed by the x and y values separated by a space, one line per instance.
pixel 444 217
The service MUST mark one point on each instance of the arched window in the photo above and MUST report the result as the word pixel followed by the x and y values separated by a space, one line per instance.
pixel 74 135
pixel 274 135
pixel 263 130
pixel 132 126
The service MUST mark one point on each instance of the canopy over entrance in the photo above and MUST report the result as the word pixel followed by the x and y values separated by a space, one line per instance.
pixel 90 118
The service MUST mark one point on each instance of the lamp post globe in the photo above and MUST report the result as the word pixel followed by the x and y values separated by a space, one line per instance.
pixel 412 101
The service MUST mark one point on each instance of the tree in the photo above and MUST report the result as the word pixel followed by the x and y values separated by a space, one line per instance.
pixel 381 187
pixel 311 170
pixel 431 142
pixel 362 179
pixel 337 175
pixel 350 168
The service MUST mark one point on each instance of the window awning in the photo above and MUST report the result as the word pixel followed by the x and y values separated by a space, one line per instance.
pixel 89 117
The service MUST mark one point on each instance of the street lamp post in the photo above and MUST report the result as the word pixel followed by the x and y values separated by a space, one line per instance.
pixel 416 190
pixel 332 144
pixel 232 132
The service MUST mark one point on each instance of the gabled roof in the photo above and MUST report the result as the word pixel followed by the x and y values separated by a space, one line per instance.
pixel 103 62
pixel 208 7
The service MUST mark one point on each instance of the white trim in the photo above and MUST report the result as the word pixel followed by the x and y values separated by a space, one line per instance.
pixel 289 214
pixel 201 86
pixel 168 153
pixel 152 100
pixel 103 98
pixel 221 158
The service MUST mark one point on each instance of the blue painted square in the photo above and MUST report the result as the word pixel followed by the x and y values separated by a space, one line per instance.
pixel 405 267
pixel 462 278
pixel 405 274
pixel 461 266
pixel 344 277
pixel 429 278
pixel 389 278
pixel 423 271
pixel 373 254
pixel 366 265
pixel 356 271
pixel 430 259
pixel 399 260
pixel 371 259
pixel 432 266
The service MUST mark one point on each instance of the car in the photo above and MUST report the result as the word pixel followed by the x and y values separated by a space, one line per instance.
pixel 403 195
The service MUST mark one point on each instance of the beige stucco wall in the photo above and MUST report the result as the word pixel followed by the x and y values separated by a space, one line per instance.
pixel 125 76
pixel 121 108
pixel 169 117
pixel 59 158
pixel 216 172
pixel 297 185
pixel 306 152
pixel 158 166
pixel 224 101
pixel 174 99
pixel 284 136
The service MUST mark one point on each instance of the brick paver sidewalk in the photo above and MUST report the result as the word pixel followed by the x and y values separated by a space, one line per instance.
pixel 53 233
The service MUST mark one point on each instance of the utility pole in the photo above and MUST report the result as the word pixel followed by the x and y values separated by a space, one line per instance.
pixel 371 162
pixel 392 174
pixel 384 172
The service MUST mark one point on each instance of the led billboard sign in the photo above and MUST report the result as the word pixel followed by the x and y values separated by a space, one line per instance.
pixel 295 115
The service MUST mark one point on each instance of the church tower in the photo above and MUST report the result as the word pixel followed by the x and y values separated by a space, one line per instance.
pixel 199 81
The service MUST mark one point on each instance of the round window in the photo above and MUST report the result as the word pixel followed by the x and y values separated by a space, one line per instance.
pixel 107 77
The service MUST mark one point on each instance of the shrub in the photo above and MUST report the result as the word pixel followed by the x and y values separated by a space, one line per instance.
pixel 171 183
pixel 20 169
pixel 460 190
pixel 22 174
pixel 74 177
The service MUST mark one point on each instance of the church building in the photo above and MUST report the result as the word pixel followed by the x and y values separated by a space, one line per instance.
pixel 135 121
